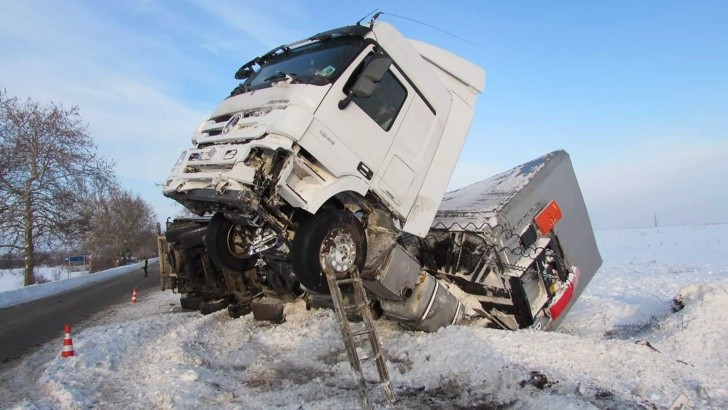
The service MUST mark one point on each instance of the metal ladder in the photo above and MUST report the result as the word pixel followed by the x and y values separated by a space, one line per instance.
pixel 351 334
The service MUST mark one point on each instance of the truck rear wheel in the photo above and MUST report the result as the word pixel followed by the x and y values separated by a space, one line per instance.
pixel 192 238
pixel 225 246
pixel 173 233
pixel 332 237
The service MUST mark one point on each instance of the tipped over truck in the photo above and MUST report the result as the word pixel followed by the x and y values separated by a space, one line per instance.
pixel 335 153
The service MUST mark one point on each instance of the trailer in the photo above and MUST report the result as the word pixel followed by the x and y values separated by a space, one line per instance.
pixel 520 244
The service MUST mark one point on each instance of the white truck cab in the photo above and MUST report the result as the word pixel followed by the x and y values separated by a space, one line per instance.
pixel 358 118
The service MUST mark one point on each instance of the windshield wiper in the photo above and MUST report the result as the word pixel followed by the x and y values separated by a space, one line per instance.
pixel 279 76
pixel 241 88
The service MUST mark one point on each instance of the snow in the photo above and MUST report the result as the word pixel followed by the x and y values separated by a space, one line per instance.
pixel 621 346
pixel 493 192
pixel 477 204
pixel 61 280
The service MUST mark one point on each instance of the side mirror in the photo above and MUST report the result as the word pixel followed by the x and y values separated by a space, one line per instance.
pixel 244 72
pixel 363 87
pixel 376 68
pixel 368 79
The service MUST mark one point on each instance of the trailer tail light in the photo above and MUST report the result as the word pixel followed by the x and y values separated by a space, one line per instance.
pixel 548 217
pixel 561 301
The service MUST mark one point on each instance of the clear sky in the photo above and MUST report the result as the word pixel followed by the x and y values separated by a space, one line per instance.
pixel 636 92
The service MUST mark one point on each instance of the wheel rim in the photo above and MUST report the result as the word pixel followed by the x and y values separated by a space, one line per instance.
pixel 235 243
pixel 338 250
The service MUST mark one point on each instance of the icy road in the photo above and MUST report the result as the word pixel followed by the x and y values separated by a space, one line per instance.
pixel 622 346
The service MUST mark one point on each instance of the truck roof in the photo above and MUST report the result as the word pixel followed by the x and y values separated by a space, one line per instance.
pixel 461 69
pixel 453 72
pixel 475 205
pixel 447 72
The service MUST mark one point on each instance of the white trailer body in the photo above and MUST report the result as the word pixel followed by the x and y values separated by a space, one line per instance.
pixel 523 242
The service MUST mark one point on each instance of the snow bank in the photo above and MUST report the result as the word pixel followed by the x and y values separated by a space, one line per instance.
pixel 622 346
pixel 643 270
pixel 182 360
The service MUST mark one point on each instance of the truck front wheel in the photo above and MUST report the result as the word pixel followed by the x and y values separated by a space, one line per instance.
pixel 332 237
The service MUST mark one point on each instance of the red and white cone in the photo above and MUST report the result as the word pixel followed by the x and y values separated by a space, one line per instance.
pixel 133 296
pixel 67 343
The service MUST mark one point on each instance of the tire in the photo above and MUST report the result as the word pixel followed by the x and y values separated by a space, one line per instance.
pixel 334 229
pixel 218 242
pixel 213 306
pixel 237 310
pixel 190 302
pixel 193 238
pixel 173 233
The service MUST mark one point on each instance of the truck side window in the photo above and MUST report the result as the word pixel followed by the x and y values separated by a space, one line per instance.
pixel 386 101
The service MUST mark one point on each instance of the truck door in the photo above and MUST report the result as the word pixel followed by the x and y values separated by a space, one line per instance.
pixel 354 126
pixel 410 155
pixel 392 131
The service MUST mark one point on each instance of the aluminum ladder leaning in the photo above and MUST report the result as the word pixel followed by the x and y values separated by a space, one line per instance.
pixel 353 332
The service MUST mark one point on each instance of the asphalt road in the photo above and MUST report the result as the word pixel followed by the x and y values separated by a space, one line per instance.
pixel 25 326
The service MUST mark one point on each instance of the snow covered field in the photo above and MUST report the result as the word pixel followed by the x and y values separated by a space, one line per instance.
pixel 621 346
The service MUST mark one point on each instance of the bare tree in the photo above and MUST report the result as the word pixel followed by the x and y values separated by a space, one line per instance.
pixel 48 163
pixel 121 225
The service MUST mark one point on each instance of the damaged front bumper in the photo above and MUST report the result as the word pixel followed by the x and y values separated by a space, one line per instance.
pixel 226 177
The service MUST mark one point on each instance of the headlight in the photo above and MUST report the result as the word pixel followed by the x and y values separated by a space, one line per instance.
pixel 202 156
pixel 230 154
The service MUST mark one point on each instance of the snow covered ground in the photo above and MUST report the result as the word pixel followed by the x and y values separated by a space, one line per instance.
pixel 621 346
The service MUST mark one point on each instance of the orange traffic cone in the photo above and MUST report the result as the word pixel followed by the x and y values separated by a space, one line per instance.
pixel 67 343
pixel 133 296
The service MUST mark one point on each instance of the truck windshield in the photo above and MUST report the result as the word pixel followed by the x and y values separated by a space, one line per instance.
pixel 316 63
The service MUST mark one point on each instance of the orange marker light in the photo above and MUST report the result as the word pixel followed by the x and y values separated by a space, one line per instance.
pixel 548 217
